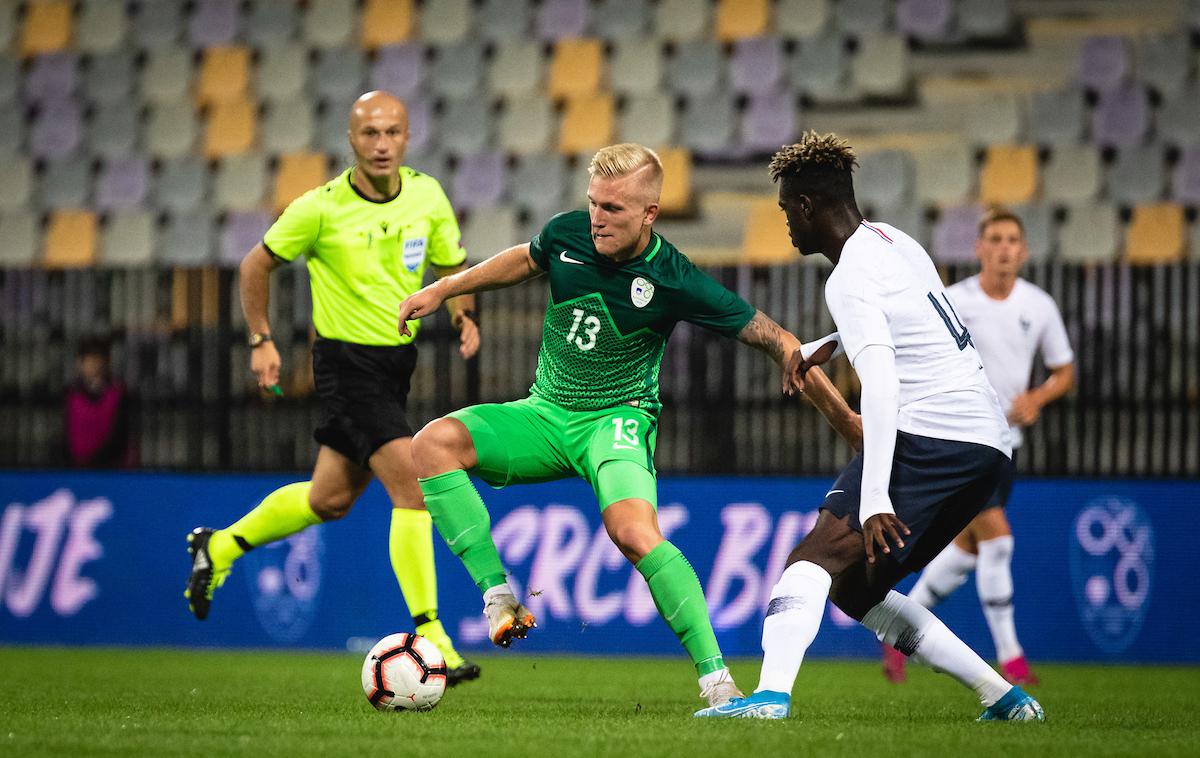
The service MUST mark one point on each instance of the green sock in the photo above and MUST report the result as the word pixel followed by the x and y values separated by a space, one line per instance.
pixel 411 549
pixel 462 519
pixel 680 601
pixel 281 514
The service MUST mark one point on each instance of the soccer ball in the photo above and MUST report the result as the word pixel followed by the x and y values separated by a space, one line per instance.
pixel 404 672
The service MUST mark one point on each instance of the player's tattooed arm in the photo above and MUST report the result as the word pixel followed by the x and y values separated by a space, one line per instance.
pixel 764 334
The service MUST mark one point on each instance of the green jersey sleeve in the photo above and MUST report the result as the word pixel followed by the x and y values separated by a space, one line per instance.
pixel 703 301
pixel 542 242
pixel 295 231
pixel 445 241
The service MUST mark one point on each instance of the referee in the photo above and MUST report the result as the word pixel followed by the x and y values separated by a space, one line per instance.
pixel 367 236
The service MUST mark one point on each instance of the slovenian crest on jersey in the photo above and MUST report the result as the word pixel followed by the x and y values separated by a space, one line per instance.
pixel 640 292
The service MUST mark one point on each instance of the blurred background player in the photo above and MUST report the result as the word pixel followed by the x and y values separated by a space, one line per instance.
pixel 368 235
pixel 1010 320
pixel 96 411
pixel 935 444
pixel 617 289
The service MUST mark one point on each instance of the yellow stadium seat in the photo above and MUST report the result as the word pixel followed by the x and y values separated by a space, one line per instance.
pixel 47 28
pixel 385 22
pixel 1009 175
pixel 740 19
pixel 70 240
pixel 195 297
pixel 297 174
pixel 224 75
pixel 231 128
pixel 766 239
pixel 1157 234
pixel 576 68
pixel 587 124
pixel 677 180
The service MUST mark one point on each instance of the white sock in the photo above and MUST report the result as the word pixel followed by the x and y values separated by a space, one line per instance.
pixel 995 585
pixel 945 573
pixel 793 618
pixel 915 631
pixel 494 593
pixel 715 677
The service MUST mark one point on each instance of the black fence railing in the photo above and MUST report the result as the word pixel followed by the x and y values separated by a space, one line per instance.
pixel 178 343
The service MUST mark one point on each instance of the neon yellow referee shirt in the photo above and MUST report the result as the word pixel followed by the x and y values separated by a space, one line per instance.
pixel 365 256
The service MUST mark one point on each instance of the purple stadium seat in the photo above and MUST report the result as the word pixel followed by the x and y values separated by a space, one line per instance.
pixel 420 124
pixel 1105 62
pixel 52 77
pixel 560 19
pixel 1185 181
pixel 1121 116
pixel 399 69
pixel 479 180
pixel 241 232
pixel 57 129
pixel 925 20
pixel 756 66
pixel 122 183
pixel 213 22
pixel 954 234
pixel 768 122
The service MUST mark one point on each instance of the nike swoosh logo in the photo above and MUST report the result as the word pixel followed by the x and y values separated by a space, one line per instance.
pixel 457 537
pixel 834 492
pixel 671 618
pixel 568 259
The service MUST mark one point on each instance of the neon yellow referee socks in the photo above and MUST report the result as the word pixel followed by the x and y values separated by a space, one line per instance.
pixel 411 551
pixel 281 514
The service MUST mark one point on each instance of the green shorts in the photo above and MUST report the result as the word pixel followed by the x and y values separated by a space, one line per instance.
pixel 534 440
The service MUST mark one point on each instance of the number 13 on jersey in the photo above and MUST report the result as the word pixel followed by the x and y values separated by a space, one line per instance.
pixel 591 327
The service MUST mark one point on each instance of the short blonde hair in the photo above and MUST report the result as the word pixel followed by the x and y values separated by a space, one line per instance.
pixel 627 158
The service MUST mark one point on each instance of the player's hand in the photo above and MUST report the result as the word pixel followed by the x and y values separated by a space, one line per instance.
pixel 419 304
pixel 797 367
pixel 881 529
pixel 1025 410
pixel 264 364
pixel 468 337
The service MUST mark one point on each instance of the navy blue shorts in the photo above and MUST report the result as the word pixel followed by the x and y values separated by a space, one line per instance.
pixel 937 487
pixel 1003 492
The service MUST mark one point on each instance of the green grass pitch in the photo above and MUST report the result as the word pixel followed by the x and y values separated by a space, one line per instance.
pixel 131 702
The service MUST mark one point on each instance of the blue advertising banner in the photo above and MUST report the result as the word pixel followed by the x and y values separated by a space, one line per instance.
pixel 1099 570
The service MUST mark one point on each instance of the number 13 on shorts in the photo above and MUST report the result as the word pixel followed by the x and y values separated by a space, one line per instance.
pixel 625 434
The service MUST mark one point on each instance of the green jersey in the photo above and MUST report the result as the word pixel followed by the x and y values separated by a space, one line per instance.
pixel 607 323
pixel 365 256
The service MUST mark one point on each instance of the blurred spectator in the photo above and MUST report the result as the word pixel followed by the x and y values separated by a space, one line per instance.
pixel 96 413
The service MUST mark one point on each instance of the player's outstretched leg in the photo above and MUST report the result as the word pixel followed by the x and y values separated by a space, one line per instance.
pixel 281 513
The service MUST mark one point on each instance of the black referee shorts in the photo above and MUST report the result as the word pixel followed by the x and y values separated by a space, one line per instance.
pixel 937 487
pixel 363 391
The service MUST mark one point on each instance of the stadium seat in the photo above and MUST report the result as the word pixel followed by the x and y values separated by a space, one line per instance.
pixel 562 19
pixel 881 68
pixel 1009 175
pixel 802 19
pixel 636 65
pixel 1121 117
pixel 696 69
pixel 47 28
pixel 466 124
pixel 479 180
pixel 954 234
pixel 1105 62
pixel 271 22
pixel 456 69
pixel 1157 234
pixel 766 240
pixel 187 239
pixel 281 72
pixel 944 175
pixel 181 184
pixel 445 21
pixel 101 26
pixel 588 123
pixel 230 128
pixel 1176 120
pixel 332 127
pixel 122 183
pixel 1164 61
pixel 857 18
pixel 1185 177
pixel 681 20
pixel 224 75
pixel 526 126
pixel 339 73
pixel 328 23
pixel 399 69
pixel 577 68
pixel 21 232
pixel 537 184
pixel 288 126
pixel 171 129
pixel 64 183
pixel 615 19
pixel 820 69
pixel 8 24
pixel 884 179
pixel 10 79
pixel 992 119
pixel 648 119
pixel 432 161
pixel 110 77
pixel 50 77
pixel 487 231
pixel 240 232
pixel 1137 175
pixel 1089 234
pixel 1072 174
pixel 1038 220
pixel 757 65
pixel 908 217
pixel 741 19
pixel 769 120
pixel 422 132
pixel 158 24
pixel 928 21
pixel 708 124
pixel 985 19
pixel 213 23
pixel 298 173
pixel 385 22
pixel 516 68
pixel 70 240
pixel 166 75
pixel 16 183
pixel 57 129
pixel 677 180
pixel 1056 117
pixel 504 19
pixel 128 239
pixel 12 130
pixel 240 183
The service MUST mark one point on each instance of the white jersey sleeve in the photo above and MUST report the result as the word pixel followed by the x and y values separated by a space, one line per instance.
pixel 1055 346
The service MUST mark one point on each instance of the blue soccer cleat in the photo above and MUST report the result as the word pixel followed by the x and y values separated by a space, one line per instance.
pixel 1017 705
pixel 761 705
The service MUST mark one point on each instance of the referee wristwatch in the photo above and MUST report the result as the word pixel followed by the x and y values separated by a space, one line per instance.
pixel 257 338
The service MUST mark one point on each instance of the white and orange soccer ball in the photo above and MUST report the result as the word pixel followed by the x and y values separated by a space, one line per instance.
pixel 404 672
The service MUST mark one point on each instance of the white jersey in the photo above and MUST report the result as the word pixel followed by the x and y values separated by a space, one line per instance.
pixel 1009 332
pixel 886 291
